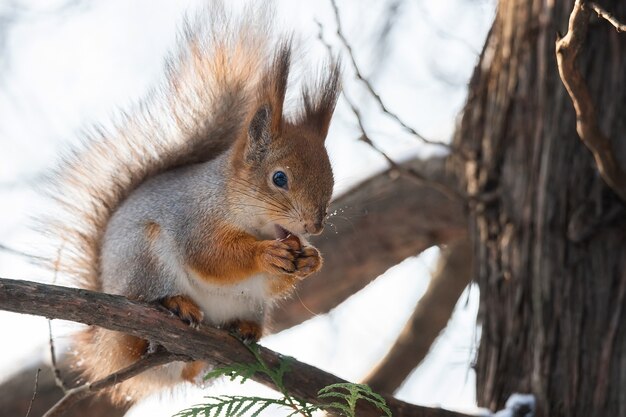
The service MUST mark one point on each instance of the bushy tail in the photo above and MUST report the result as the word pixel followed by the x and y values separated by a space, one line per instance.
pixel 194 115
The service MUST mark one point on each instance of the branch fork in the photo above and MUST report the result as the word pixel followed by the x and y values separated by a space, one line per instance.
pixel 567 50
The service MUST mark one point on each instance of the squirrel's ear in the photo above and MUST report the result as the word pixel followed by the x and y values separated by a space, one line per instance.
pixel 320 99
pixel 259 135
pixel 267 121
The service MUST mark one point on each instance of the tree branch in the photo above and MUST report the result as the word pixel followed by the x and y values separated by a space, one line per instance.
pixel 430 317
pixel 370 88
pixel 206 343
pixel 567 49
pixel 365 137
pixel 620 27
pixel 16 392
pixel 150 360
pixel 32 400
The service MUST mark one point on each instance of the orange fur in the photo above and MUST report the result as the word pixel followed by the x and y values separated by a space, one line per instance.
pixel 231 256
pixel 102 352
pixel 184 307
pixel 192 371
pixel 153 231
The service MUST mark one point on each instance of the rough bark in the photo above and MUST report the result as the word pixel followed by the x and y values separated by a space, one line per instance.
pixel 166 330
pixel 430 317
pixel 549 234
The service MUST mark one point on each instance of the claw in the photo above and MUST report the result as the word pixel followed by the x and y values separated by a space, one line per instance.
pixel 245 330
pixel 185 308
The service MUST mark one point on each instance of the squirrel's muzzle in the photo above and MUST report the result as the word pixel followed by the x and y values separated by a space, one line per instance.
pixel 314 228
pixel 315 225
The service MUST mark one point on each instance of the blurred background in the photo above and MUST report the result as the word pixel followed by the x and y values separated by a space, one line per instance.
pixel 66 65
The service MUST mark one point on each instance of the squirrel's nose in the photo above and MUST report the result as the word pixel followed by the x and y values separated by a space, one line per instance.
pixel 314 228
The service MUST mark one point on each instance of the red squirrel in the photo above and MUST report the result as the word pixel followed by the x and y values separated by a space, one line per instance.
pixel 202 198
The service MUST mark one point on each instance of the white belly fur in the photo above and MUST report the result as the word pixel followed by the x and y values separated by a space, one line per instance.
pixel 247 299
pixel 223 303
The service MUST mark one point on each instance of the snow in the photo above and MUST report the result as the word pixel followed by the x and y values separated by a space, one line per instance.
pixel 516 404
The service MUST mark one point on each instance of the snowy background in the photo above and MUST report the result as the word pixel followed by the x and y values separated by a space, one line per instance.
pixel 67 64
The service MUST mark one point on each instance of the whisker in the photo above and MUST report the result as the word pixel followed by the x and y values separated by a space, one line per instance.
pixel 279 198
pixel 269 199
pixel 257 198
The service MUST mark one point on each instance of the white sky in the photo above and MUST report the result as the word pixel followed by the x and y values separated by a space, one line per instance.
pixel 62 71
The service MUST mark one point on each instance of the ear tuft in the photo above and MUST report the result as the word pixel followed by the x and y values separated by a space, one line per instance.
pixel 267 121
pixel 274 83
pixel 319 100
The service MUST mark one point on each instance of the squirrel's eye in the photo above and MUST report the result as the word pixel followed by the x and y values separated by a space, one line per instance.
pixel 280 179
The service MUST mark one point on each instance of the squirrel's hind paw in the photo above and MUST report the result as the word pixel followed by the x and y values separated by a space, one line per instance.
pixel 185 308
pixel 245 330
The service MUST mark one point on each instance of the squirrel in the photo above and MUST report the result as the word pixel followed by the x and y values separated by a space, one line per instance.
pixel 202 198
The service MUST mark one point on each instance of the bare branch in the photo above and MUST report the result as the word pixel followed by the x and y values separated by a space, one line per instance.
pixel 370 88
pixel 411 174
pixel 444 32
pixel 430 317
pixel 53 361
pixel 365 137
pixel 15 394
pixel 32 400
pixel 12 251
pixel 206 343
pixel 53 357
pixel 150 360
pixel 620 27
pixel 567 49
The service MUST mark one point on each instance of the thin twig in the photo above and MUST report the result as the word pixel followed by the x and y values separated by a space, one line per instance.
pixel 32 400
pixel 58 380
pixel 370 88
pixel 158 357
pixel 409 173
pixel 10 250
pixel 53 359
pixel 620 27
pixel 444 32
pixel 567 49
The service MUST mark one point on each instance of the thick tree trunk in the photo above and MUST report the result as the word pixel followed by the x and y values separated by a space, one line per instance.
pixel 549 236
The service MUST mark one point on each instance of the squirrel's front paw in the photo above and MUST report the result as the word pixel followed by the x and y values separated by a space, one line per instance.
pixel 185 308
pixel 277 257
pixel 308 261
